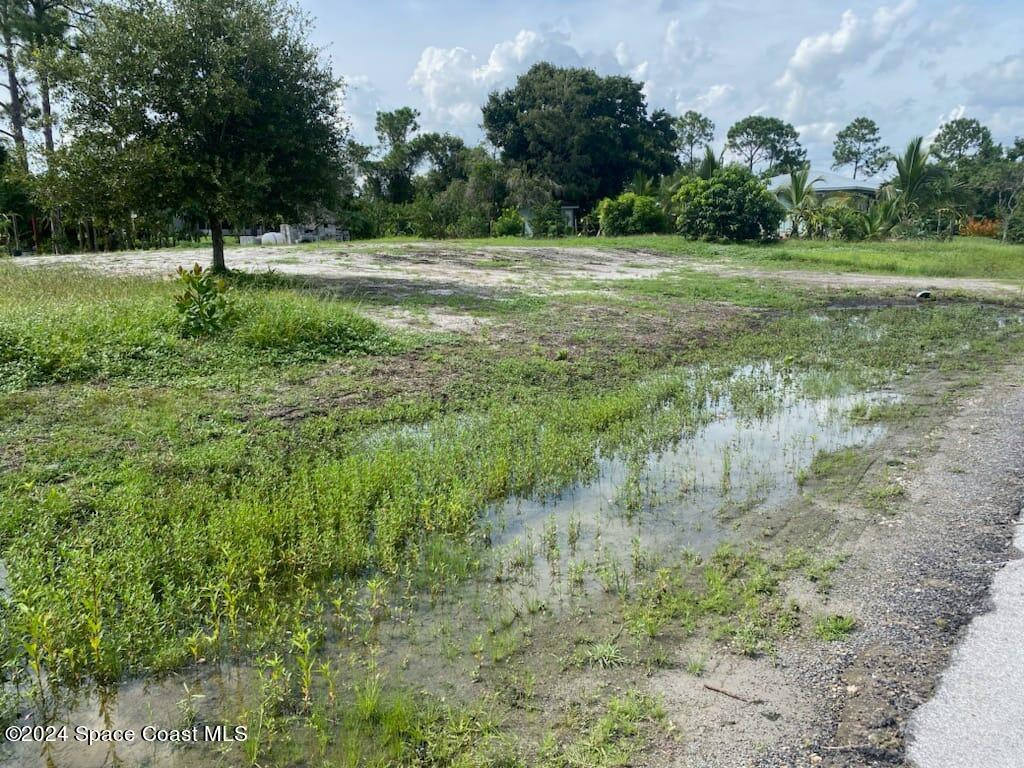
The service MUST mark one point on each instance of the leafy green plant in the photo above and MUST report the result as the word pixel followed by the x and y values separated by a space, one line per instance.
pixel 547 220
pixel 732 205
pixel 879 219
pixel 800 199
pixel 630 214
pixel 509 224
pixel 205 306
pixel 603 655
pixel 834 627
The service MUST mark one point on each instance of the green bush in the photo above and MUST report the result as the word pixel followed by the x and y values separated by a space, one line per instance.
pixel 450 213
pixel 732 205
pixel 838 222
pixel 204 305
pixel 509 224
pixel 630 214
pixel 547 220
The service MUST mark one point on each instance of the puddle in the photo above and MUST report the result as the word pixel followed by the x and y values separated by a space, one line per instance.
pixel 742 459
pixel 149 709
pixel 684 498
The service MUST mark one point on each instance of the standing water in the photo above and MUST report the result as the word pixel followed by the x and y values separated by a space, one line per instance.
pixel 743 459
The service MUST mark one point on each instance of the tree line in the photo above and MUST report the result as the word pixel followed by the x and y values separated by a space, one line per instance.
pixel 137 123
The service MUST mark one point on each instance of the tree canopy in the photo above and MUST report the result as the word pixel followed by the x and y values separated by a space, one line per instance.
pixel 693 130
pixel 962 139
pixel 769 141
pixel 859 145
pixel 224 100
pixel 588 134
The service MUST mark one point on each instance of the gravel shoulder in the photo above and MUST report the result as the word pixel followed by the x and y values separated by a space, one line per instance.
pixel 916 576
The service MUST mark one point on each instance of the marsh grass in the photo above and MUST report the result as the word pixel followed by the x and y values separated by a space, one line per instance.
pixel 612 737
pixel 733 595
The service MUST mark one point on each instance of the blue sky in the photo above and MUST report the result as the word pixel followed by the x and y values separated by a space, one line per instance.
pixel 908 64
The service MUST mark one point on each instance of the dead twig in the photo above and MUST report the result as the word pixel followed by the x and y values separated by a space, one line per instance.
pixel 733 695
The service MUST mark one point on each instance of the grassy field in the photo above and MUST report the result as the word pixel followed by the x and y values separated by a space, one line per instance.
pixel 275 495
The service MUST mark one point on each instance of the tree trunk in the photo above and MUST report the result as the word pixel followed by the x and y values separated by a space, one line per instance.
pixel 14 108
pixel 44 99
pixel 217 233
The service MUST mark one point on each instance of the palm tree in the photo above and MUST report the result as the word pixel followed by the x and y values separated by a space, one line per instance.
pixel 799 197
pixel 708 164
pixel 913 174
pixel 880 217
pixel 641 184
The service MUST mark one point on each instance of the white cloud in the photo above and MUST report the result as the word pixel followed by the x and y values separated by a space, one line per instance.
pixel 822 133
pixel 455 83
pixel 679 50
pixel 714 95
pixel 819 61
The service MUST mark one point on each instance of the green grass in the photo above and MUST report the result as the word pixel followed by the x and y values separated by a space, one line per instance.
pixel 733 594
pixel 834 627
pixel 610 738
pixel 67 326
pixel 158 507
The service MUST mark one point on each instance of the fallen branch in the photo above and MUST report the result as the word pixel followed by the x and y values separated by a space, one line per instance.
pixel 732 695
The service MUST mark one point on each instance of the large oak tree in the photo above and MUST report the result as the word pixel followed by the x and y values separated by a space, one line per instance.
pixel 586 133
pixel 228 99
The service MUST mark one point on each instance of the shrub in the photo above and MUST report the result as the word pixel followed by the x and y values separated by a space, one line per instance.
pixel 981 228
pixel 547 220
pixel 630 214
pixel 509 224
pixel 204 304
pixel 838 222
pixel 732 205
pixel 450 213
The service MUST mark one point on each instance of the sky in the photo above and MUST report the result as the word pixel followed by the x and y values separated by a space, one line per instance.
pixel 910 65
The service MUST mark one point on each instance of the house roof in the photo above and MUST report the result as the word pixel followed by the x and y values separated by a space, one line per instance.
pixel 831 182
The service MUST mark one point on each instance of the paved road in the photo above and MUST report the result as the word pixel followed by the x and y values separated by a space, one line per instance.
pixel 976 717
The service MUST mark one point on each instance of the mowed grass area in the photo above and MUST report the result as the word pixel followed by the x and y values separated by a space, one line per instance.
pixel 168 499
pixel 961 257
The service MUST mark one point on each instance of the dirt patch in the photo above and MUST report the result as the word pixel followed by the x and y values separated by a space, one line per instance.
pixel 534 269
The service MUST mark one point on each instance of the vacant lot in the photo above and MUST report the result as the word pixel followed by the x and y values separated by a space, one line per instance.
pixel 639 501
